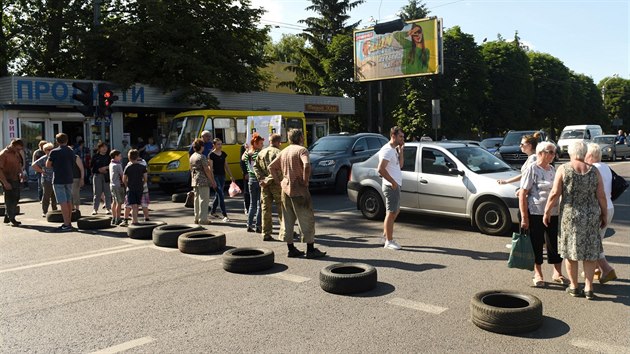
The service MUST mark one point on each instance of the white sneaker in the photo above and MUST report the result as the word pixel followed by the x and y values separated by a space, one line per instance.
pixel 226 219
pixel 109 212
pixel 392 245
pixel 93 212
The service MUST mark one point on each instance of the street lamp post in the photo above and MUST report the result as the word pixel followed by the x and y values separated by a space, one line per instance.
pixel 604 85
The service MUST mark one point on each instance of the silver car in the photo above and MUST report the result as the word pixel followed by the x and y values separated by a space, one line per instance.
pixel 610 150
pixel 447 179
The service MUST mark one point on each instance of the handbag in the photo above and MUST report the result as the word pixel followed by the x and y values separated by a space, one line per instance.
pixel 234 189
pixel 619 185
pixel 522 253
pixel 190 200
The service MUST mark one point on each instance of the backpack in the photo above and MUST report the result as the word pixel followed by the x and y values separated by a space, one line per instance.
pixel 619 185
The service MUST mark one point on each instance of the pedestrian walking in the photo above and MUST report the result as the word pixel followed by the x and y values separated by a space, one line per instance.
pixel 390 164
pixel 134 177
pixel 254 215
pixel 100 181
pixel 271 191
pixel 48 197
pixel 528 147
pixel 217 161
pixel 202 179
pixel 292 167
pixel 61 160
pixel 116 185
pixel 37 154
pixel 11 167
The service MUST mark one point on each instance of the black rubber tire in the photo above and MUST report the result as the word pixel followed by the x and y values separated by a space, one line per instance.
pixel 348 278
pixel 3 210
pixel 201 242
pixel 247 259
pixel 55 216
pixel 94 222
pixel 341 181
pixel 178 197
pixel 493 218
pixel 143 230
pixel 167 235
pixel 371 205
pixel 507 312
pixel 168 188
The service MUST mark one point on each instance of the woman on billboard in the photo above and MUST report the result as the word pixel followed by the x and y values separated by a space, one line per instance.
pixel 416 54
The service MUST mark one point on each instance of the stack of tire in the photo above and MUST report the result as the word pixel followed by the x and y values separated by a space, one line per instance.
pixel 188 238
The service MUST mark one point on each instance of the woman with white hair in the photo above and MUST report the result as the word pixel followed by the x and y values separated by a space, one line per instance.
pixel 594 157
pixel 582 213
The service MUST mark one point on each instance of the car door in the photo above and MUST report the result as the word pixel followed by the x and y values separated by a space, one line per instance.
pixel 409 189
pixel 360 151
pixel 438 190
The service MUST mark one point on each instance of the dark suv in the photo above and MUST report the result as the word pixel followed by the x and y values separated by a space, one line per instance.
pixel 510 149
pixel 332 157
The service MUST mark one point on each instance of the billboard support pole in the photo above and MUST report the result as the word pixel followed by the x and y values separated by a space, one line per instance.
pixel 369 117
pixel 380 106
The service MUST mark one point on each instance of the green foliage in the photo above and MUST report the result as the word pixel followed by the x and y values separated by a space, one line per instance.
pixel 287 49
pixel 551 85
pixel 616 93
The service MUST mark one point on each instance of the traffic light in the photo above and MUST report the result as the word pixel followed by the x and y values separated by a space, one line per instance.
pixel 85 96
pixel 106 99
pixel 388 27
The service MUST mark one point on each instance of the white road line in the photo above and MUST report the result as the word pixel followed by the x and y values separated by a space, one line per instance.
pixel 134 241
pixel 65 260
pixel 615 244
pixel 125 346
pixel 416 305
pixel 289 277
pixel 201 257
pixel 163 249
pixel 599 347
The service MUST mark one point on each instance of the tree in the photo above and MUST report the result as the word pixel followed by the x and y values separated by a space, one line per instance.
pixel 287 49
pixel 551 90
pixel 616 93
pixel 8 33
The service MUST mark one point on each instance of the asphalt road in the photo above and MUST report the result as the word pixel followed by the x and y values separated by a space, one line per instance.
pixel 90 291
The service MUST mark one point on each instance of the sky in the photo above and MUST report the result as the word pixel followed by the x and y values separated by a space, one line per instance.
pixel 590 37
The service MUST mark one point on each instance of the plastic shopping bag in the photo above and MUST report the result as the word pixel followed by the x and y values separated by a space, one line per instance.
pixel 522 254
pixel 234 189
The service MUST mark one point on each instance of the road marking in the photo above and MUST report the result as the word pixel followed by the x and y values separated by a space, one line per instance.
pixel 417 305
pixel 201 257
pixel 334 211
pixel 134 241
pixel 125 346
pixel 615 244
pixel 65 260
pixel 164 249
pixel 289 277
pixel 599 347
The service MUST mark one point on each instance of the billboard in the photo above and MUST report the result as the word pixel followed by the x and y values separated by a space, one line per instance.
pixel 415 50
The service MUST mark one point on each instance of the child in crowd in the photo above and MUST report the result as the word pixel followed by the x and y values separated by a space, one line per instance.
pixel 39 166
pixel 134 177
pixel 116 185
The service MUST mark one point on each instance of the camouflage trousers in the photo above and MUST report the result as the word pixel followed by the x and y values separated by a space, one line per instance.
pixel 269 195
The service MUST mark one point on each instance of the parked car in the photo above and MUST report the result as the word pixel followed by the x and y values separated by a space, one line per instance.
pixel 572 133
pixel 448 179
pixel 491 144
pixel 610 150
pixel 510 148
pixel 467 142
pixel 332 157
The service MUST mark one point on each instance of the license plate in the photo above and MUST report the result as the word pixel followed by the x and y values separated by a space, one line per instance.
pixel 155 179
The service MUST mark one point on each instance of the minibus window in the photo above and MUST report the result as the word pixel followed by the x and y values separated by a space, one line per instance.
pixel 241 130
pixel 225 129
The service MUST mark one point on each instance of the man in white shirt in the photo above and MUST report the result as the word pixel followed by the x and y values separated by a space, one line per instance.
pixel 390 163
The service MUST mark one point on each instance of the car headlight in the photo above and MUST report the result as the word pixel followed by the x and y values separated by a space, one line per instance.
pixel 607 149
pixel 326 163
pixel 173 165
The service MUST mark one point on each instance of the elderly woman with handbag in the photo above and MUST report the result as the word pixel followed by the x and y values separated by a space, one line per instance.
pixel 201 181
pixel 536 185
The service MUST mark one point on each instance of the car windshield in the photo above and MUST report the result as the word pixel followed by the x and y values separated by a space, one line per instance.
pixel 490 143
pixel 479 160
pixel 572 134
pixel 328 144
pixel 604 140
pixel 514 138
pixel 182 132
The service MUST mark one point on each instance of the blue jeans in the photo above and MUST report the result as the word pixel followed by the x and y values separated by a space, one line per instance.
pixel 40 188
pixel 254 204
pixel 219 198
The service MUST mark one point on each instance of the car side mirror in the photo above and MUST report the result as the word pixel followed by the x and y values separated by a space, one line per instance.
pixel 455 172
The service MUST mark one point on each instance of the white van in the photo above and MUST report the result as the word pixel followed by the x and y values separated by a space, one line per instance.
pixel 571 133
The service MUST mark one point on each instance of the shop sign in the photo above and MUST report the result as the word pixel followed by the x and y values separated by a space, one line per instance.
pixel 12 128
pixel 321 108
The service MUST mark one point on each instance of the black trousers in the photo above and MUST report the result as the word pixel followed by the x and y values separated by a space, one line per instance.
pixel 541 234
pixel 11 199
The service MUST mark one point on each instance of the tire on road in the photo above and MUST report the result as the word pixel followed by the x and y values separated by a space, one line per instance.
pixel 493 218
pixel 201 242
pixel 371 205
pixel 247 260
pixel 348 278
pixel 143 230
pixel 94 222
pixel 167 235
pixel 56 216
pixel 341 181
pixel 178 197
pixel 507 312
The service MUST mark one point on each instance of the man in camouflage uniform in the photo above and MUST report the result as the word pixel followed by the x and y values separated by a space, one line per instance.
pixel 271 190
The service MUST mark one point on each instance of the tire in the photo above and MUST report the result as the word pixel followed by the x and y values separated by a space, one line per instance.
pixel 247 260
pixel 144 230
pixel 56 216
pixel 167 235
pixel 506 312
pixel 94 222
pixel 492 218
pixel 371 205
pixel 201 242
pixel 347 278
pixel 178 197
pixel 341 181
pixel 613 157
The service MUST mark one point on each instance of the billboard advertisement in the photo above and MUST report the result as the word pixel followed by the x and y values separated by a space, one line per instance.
pixel 264 126
pixel 414 50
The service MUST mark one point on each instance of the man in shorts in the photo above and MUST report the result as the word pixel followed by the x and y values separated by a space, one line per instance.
pixel 115 185
pixel 390 163
pixel 61 160
pixel 135 176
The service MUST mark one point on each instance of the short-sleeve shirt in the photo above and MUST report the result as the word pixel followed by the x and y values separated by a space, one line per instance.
pixel 198 164
pixel 538 182
pixel 390 154
pixel 291 163
pixel 62 159
pixel 218 163
pixel 531 159
pixel 135 173
pixel 115 174
pixel 604 170
pixel 48 172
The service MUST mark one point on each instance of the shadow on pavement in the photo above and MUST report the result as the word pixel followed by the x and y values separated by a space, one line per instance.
pixel 277 268
pixel 381 289
pixel 551 328
pixel 385 263
pixel 348 242
pixel 491 256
